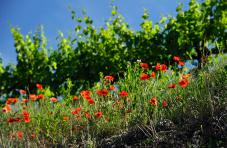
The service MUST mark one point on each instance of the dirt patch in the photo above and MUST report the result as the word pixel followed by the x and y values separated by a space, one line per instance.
pixel 206 132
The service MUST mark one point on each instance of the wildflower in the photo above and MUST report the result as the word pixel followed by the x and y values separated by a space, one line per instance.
pixel 144 65
pixel 163 68
pixel 40 96
pixel 66 118
pixel 32 136
pixel 158 66
pixel 87 115
pixel 181 63
pixel 164 104
pixel 91 101
pixel 54 100
pixel 25 100
pixel 75 98
pixel 33 97
pixel 102 92
pixel 123 94
pixel 10 120
pixel 85 93
pixel 153 101
pixel 176 58
pixel 11 100
pixel 172 86
pixel 78 117
pixel 6 108
pixel 111 78
pixel 98 114
pixel 39 86
pixel 153 75
pixel 23 92
pixel 112 87
pixel 25 113
pixel 18 119
pixel 76 111
pixel 183 82
pixel 144 76
pixel 20 135
pixel 26 116
pixel 185 76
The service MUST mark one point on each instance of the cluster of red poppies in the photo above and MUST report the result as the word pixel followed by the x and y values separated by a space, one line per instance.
pixel 107 89
pixel 183 81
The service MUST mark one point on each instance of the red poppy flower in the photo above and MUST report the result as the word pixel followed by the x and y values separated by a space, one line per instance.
pixel 123 94
pixel 10 120
pixel 102 92
pixel 88 98
pixel 54 100
pixel 111 78
pixel 33 97
pixel 144 76
pixel 176 58
pixel 40 96
pixel 66 118
pixel 27 119
pixel 144 65
pixel 6 108
pixel 25 113
pixel 181 63
pixel 75 98
pixel 76 111
pixel 33 136
pixel 87 115
pixel 91 101
pixel 183 82
pixel 85 93
pixel 18 119
pixel 153 75
pixel 172 86
pixel 98 114
pixel 39 86
pixel 112 87
pixel 158 66
pixel 164 104
pixel 153 101
pixel 163 68
pixel 20 135
pixel 25 100
pixel 26 116
pixel 11 100
pixel 23 92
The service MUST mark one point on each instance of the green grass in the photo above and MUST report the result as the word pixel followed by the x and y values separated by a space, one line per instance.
pixel 119 113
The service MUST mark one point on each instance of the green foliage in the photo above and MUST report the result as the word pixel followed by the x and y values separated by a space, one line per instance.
pixel 194 34
pixel 32 60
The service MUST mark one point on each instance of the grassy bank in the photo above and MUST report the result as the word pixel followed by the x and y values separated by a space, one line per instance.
pixel 145 96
